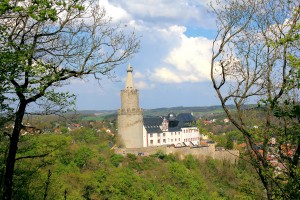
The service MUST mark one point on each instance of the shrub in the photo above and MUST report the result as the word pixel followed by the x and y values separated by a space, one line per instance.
pixel 131 156
pixel 116 159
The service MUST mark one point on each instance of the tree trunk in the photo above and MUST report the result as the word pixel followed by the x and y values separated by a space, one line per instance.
pixel 269 193
pixel 13 147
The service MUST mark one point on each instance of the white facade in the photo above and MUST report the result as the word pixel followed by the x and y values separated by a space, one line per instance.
pixel 179 136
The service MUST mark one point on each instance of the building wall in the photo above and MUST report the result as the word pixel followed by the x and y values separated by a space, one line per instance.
pixel 130 128
pixel 191 134
pixel 200 153
pixel 187 135
pixel 130 119
pixel 145 137
pixel 130 99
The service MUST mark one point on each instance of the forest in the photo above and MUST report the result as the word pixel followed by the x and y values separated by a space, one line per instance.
pixel 81 165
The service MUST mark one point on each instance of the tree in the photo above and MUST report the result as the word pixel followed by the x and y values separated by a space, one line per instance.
pixel 45 43
pixel 255 57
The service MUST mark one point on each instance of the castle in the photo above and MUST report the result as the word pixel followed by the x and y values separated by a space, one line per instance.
pixel 168 134
pixel 136 131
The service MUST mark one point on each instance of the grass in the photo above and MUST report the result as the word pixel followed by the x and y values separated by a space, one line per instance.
pixel 93 118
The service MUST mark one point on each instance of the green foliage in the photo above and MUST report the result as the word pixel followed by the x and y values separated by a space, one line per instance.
pixel 131 156
pixel 229 142
pixel 190 162
pixel 64 130
pixel 116 159
pixel 93 118
pixel 4 6
pixel 84 169
pixel 82 156
pixel 84 135
pixel 159 154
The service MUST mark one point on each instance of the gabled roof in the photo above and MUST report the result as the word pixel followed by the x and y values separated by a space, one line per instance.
pixel 153 121
pixel 153 129
pixel 185 117
pixel 152 124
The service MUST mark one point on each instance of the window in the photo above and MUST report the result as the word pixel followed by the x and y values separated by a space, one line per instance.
pixel 158 134
pixel 164 140
pixel 151 135
pixel 158 141
pixel 171 140
pixel 151 141
pixel 164 134
pixel 175 139
pixel 171 133
pixel 178 139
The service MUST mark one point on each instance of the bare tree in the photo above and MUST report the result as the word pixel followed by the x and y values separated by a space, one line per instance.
pixel 251 64
pixel 45 43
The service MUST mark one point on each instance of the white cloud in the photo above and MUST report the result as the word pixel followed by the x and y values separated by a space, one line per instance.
pixel 187 62
pixel 142 85
pixel 168 11
pixel 115 11
pixel 167 54
pixel 138 75
pixel 165 75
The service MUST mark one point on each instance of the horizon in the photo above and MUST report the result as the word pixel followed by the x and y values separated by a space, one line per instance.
pixel 154 108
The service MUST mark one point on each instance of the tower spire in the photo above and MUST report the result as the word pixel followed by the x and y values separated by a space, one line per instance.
pixel 129 80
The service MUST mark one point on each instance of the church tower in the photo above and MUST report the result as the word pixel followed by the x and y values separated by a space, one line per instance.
pixel 130 116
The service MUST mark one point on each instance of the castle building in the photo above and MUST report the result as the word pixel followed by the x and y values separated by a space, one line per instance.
pixel 171 130
pixel 130 116
pixel 136 131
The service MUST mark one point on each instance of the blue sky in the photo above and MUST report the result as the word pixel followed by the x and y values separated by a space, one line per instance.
pixel 172 66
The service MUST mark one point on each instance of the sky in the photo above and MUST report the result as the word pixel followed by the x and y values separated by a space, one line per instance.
pixel 173 64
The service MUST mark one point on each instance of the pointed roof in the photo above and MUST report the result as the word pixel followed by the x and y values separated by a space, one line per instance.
pixel 129 80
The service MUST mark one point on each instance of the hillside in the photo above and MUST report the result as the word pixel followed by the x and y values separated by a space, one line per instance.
pixel 81 165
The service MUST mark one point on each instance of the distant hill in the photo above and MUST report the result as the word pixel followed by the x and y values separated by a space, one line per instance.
pixel 159 111
pixel 181 109
pixel 198 111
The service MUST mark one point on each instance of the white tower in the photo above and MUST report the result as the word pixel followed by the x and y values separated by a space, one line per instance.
pixel 130 116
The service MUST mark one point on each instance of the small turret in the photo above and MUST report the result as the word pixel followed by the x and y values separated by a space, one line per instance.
pixel 129 80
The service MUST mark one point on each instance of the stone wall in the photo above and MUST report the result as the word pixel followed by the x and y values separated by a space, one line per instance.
pixel 130 128
pixel 199 153
pixel 130 99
